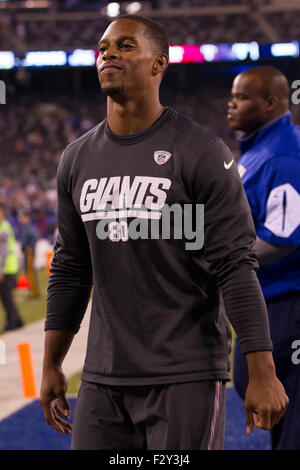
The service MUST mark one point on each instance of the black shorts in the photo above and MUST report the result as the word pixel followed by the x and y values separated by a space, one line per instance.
pixel 184 416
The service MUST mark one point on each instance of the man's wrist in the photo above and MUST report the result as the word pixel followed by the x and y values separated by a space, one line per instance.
pixel 52 365
pixel 260 364
pixel 57 344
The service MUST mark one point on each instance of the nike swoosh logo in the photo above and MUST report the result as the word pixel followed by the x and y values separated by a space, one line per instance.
pixel 228 165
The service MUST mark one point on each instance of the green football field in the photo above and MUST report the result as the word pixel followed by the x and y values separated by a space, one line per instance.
pixel 35 309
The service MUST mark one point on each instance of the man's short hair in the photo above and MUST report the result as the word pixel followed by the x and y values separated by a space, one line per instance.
pixel 154 32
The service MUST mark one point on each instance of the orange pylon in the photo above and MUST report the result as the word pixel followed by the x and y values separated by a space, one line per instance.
pixel 27 371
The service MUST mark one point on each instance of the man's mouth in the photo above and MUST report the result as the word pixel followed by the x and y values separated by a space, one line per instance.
pixel 109 68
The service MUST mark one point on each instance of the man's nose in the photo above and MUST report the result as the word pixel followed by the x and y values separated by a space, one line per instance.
pixel 109 53
pixel 231 103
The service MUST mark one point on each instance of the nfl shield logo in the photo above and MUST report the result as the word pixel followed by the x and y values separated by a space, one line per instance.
pixel 161 156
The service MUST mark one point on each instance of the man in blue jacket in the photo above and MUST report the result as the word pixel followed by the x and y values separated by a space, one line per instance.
pixel 270 170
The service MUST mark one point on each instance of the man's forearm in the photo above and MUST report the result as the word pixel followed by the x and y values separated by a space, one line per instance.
pixel 57 344
pixel 268 253
pixel 246 310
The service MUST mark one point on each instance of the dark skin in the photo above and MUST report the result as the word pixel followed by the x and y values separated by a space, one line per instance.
pixel 259 96
pixel 131 82
pixel 53 399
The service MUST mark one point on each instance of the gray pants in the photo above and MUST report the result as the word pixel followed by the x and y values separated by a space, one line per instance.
pixel 183 416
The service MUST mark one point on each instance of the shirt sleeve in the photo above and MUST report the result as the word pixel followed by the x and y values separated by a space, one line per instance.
pixel 277 215
pixel 229 239
pixel 70 280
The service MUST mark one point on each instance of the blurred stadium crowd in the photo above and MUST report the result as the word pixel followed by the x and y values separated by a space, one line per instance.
pixel 31 145
pixel 244 24
pixel 181 30
pixel 186 30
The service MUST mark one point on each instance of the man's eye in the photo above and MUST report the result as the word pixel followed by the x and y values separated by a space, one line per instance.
pixel 102 49
pixel 126 46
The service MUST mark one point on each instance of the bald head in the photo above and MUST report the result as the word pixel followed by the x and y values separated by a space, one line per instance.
pixel 259 95
pixel 271 81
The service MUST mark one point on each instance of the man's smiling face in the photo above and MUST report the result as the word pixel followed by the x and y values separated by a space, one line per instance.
pixel 126 58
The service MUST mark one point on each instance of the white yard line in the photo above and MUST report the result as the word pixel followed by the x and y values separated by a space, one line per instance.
pixel 11 390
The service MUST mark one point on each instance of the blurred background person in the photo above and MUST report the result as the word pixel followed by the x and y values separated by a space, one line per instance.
pixel 8 272
pixel 270 170
pixel 29 236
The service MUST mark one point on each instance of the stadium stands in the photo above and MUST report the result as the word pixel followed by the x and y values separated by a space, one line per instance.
pixel 31 145
pixel 287 25
pixel 243 21
pixel 85 34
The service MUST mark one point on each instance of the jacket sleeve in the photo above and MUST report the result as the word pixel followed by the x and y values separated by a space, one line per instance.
pixel 229 238
pixel 70 280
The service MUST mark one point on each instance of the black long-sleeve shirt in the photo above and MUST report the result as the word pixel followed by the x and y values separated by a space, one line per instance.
pixel 158 308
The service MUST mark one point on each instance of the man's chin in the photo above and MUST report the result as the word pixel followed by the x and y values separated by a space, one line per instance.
pixel 112 90
pixel 233 125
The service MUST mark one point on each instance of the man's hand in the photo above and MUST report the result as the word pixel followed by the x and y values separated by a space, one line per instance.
pixel 53 400
pixel 265 400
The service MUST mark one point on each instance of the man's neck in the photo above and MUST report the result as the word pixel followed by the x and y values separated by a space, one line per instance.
pixel 131 117
pixel 266 124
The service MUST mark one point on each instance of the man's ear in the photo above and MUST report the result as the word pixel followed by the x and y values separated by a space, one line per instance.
pixel 160 64
pixel 272 102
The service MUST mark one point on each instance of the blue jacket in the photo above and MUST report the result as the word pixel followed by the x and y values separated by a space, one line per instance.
pixel 270 170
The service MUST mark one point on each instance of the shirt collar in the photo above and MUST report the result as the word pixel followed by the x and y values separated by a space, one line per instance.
pixel 247 141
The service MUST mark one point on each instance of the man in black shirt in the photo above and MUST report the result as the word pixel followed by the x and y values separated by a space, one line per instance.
pixel 158 348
